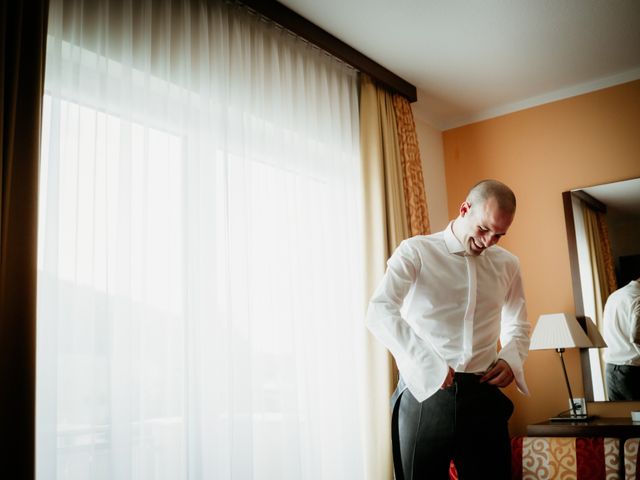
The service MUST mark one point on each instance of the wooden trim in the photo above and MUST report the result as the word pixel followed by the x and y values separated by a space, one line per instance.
pixel 587 383
pixel 593 203
pixel 620 427
pixel 577 287
pixel 573 254
pixel 304 28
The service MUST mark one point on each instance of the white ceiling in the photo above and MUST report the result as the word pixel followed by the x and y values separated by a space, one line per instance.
pixel 621 198
pixel 472 59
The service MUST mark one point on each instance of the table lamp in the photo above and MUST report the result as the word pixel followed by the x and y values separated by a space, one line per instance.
pixel 559 331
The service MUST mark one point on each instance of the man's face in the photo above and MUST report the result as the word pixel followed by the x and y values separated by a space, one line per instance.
pixel 482 225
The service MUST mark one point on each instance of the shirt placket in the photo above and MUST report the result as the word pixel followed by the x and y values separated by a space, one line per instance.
pixel 469 314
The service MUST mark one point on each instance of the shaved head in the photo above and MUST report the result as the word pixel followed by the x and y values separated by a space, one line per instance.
pixel 485 216
pixel 486 189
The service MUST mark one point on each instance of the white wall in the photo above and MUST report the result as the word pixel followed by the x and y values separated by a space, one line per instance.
pixel 432 155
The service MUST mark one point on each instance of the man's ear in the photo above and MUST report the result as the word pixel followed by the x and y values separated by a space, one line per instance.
pixel 464 208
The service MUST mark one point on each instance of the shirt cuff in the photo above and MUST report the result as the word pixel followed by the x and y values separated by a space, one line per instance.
pixel 510 355
pixel 425 380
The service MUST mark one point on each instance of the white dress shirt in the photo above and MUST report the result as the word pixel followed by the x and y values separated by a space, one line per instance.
pixel 438 308
pixel 621 322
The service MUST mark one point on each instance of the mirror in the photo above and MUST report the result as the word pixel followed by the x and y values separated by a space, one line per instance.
pixel 618 205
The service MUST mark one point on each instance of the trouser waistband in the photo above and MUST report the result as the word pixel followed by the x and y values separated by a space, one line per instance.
pixel 464 377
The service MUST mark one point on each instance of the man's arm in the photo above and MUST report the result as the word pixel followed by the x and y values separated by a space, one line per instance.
pixel 514 336
pixel 635 325
pixel 422 369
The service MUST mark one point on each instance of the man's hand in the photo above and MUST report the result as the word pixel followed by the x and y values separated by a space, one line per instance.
pixel 448 381
pixel 500 374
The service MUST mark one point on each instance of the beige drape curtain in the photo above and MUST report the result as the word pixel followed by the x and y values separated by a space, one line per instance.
pixel 22 52
pixel 395 208
pixel 385 227
pixel 385 206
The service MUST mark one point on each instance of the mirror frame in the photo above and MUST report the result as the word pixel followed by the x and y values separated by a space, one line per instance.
pixel 575 277
pixel 580 193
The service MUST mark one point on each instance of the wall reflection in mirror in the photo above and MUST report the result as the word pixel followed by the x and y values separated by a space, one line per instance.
pixel 603 232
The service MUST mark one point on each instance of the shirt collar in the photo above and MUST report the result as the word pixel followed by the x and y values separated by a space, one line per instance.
pixel 453 244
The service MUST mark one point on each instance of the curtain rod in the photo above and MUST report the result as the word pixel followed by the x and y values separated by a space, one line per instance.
pixel 302 27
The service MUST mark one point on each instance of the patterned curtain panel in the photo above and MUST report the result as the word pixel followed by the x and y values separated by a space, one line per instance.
pixel 604 279
pixel 609 274
pixel 412 179
pixel 601 259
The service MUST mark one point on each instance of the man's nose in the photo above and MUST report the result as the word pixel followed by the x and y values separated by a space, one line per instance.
pixel 489 239
pixel 493 239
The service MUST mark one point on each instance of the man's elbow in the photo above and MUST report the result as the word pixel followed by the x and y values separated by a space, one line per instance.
pixel 372 316
pixel 377 312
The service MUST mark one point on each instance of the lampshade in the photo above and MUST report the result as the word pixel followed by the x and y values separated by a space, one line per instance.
pixel 558 330
pixel 594 334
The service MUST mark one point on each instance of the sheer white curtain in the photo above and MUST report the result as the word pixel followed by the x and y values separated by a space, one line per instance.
pixel 200 290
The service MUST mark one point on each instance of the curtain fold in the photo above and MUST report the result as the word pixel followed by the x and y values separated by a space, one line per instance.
pixel 602 268
pixel 385 223
pixel 201 297
pixel 604 280
pixel 610 283
pixel 22 59
pixel 395 208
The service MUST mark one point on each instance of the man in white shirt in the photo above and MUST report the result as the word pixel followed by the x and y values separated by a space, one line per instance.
pixel 443 304
pixel 621 331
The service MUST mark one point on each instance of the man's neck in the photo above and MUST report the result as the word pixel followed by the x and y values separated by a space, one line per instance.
pixel 453 229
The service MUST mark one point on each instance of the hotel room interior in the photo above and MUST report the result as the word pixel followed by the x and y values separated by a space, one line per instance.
pixel 542 95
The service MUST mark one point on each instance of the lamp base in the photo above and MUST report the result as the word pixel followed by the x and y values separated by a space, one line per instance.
pixel 572 418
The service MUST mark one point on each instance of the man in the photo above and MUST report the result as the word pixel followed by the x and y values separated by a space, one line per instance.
pixel 443 304
pixel 621 322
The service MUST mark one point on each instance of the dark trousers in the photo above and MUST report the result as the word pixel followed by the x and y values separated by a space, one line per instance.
pixel 466 423
pixel 623 382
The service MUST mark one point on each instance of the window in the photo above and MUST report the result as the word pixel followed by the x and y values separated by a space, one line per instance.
pixel 200 302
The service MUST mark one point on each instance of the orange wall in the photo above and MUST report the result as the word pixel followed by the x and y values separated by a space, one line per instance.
pixel 541 152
